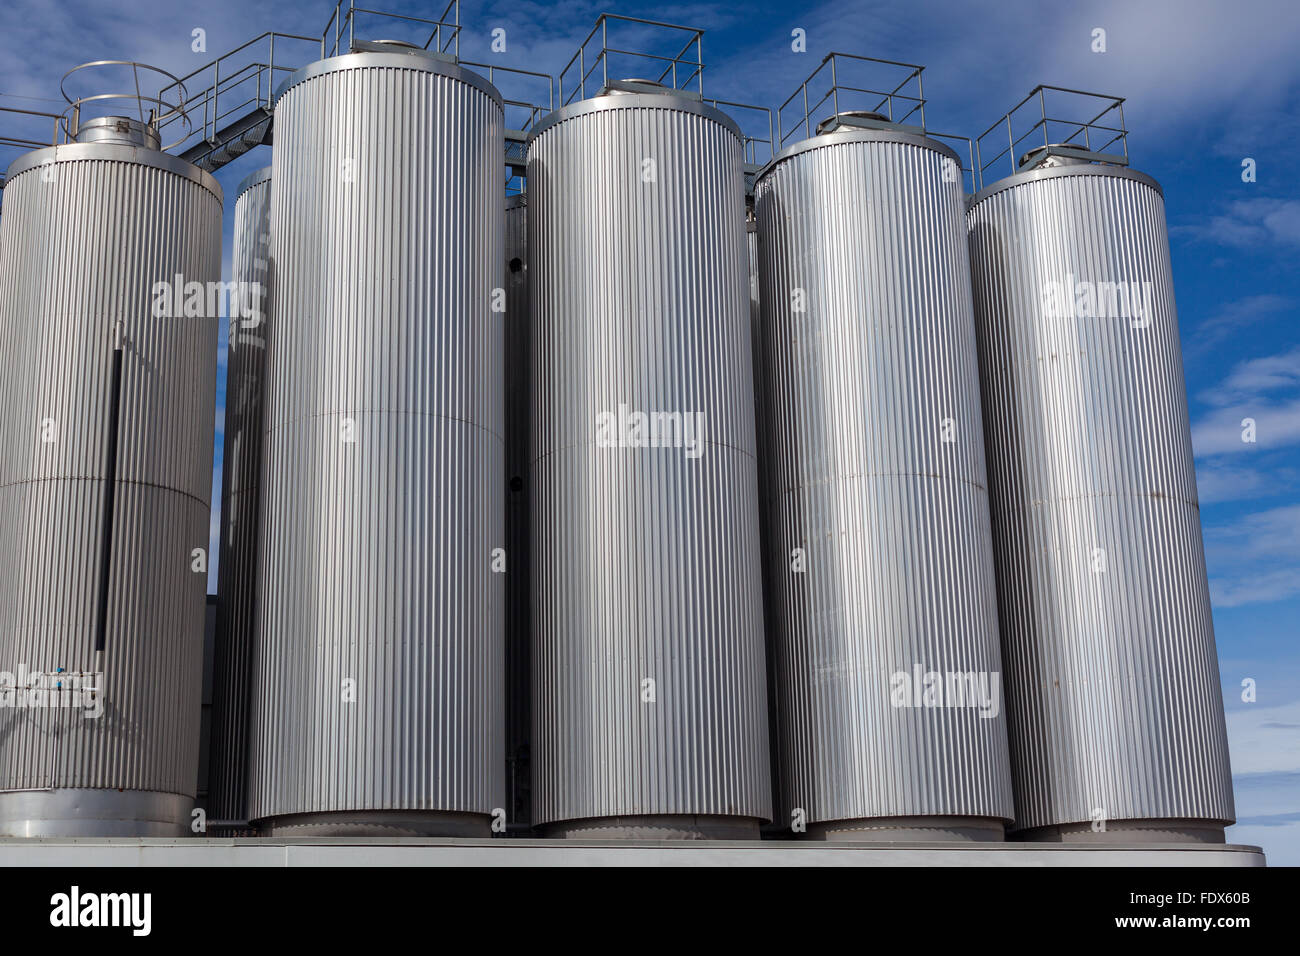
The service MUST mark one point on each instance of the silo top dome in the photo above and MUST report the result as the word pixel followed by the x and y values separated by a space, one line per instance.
pixel 629 86
pixel 389 54
pixel 392 46
pixel 636 94
pixel 1045 157
pixel 832 123
pixel 120 130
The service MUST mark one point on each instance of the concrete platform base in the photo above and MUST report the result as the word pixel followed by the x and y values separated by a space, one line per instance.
pixel 322 851
pixel 932 829
pixel 378 823
pixel 664 827
pixel 1128 832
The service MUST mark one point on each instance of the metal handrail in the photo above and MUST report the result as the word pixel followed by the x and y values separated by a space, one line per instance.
pixel 166 111
pixel 8 141
pixel 967 168
pixel 751 143
pixel 535 110
pixel 884 98
pixel 1080 127
pixel 601 60
pixel 344 24
pixel 247 72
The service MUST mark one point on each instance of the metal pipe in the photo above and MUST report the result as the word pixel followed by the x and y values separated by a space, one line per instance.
pixel 835 91
pixel 216 89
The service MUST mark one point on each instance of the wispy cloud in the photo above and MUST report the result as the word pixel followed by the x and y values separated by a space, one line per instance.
pixel 1262 587
pixel 1217 480
pixel 1265 752
pixel 1256 558
pixel 1255 408
pixel 1276 425
pixel 1236 317
pixel 1243 223
pixel 1259 746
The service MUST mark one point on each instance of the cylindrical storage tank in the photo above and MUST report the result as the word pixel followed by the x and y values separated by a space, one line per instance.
pixel 1116 717
pixel 649 701
pixel 378 697
pixel 108 340
pixel 518 409
pixel 884 608
pixel 241 484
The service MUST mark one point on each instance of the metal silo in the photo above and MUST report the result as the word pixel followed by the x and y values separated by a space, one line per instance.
pixel 379 674
pixel 1116 716
pixel 108 341
pixel 240 504
pixel 883 602
pixel 518 403
pixel 649 699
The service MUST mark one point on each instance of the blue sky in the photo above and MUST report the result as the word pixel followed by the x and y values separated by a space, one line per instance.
pixel 1206 85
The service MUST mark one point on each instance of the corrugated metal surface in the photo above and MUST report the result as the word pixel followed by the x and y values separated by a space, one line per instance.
pixel 876 473
pixel 518 411
pixel 779 823
pixel 85 238
pixel 241 487
pixel 380 668
pixel 1112 676
pixel 645 562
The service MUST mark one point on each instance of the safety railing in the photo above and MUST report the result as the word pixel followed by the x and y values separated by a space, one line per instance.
pixel 961 145
pixel 1045 111
pixel 16 120
pixel 166 108
pixel 754 122
pixel 243 81
pixel 844 82
pixel 677 71
pixel 522 91
pixel 22 130
pixel 339 35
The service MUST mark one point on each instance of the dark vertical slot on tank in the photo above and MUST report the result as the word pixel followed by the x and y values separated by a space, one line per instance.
pixel 110 484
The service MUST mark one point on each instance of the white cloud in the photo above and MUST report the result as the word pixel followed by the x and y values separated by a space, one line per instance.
pixel 1268 814
pixel 1233 318
pixel 1264 535
pixel 1221 482
pixel 1265 739
pixel 1255 559
pixel 1264 391
pixel 1277 425
pixel 1254 377
pixel 1250 222
pixel 1260 588
pixel 1228 59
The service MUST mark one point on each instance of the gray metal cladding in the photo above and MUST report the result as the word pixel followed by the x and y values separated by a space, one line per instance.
pixel 764 510
pixel 1112 678
pixel 645 561
pixel 240 505
pixel 518 398
pixel 880 558
pixel 87 232
pixel 379 671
